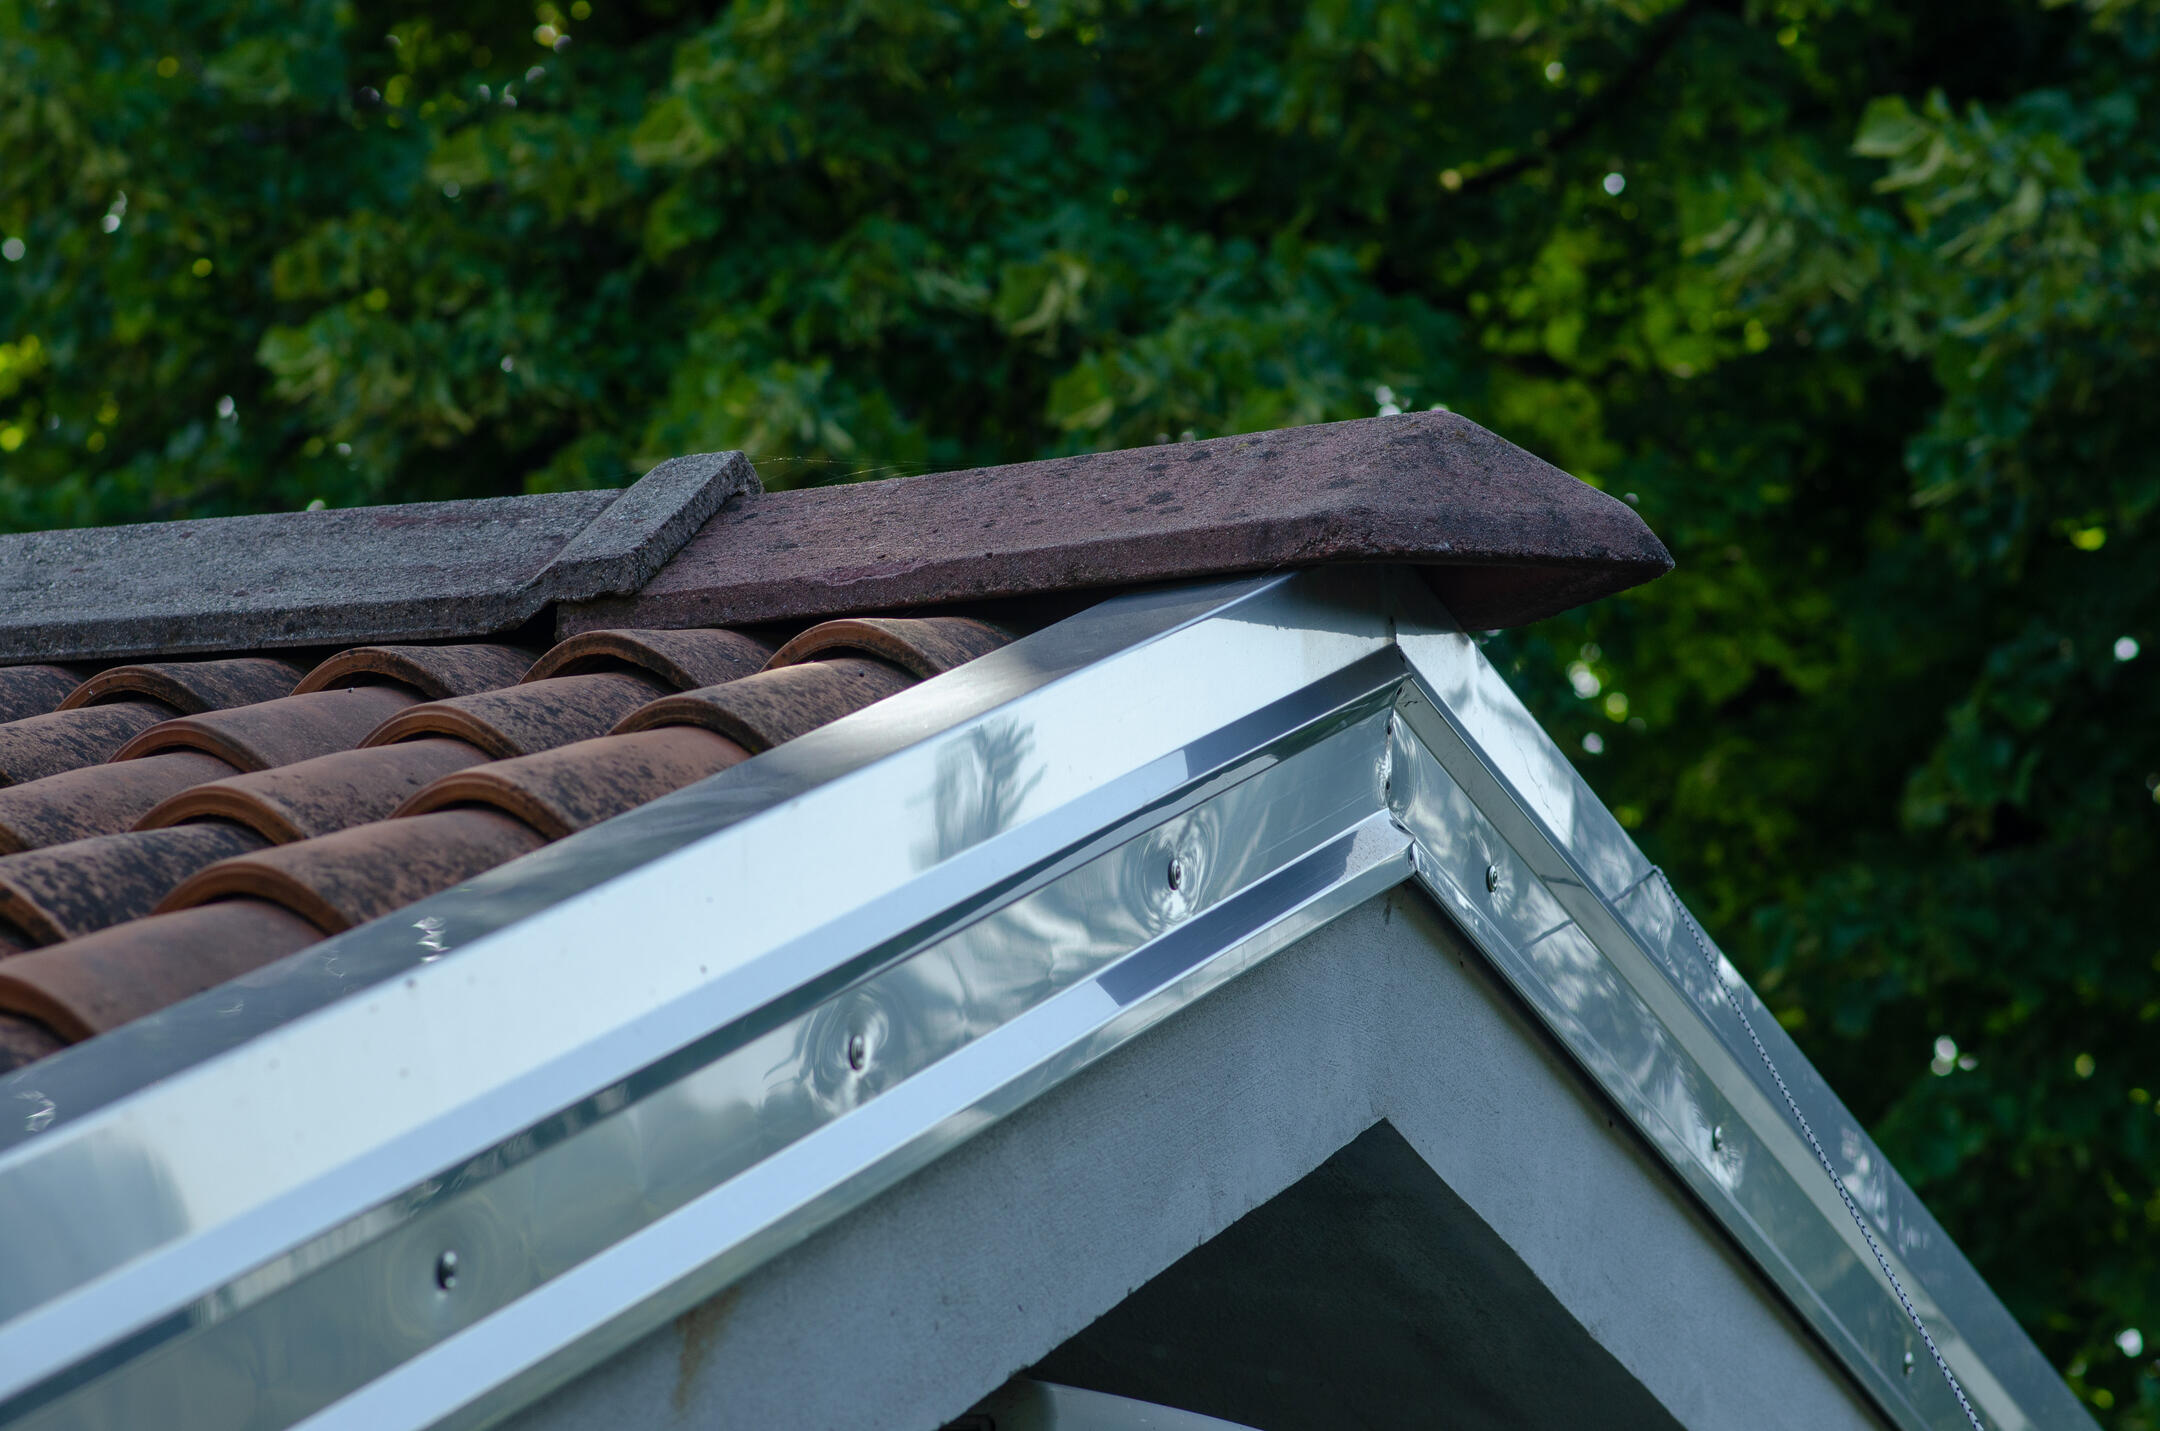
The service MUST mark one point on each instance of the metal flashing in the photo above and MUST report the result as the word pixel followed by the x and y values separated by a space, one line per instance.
pixel 613 1076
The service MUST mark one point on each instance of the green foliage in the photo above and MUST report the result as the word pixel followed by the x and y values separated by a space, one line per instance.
pixel 1856 300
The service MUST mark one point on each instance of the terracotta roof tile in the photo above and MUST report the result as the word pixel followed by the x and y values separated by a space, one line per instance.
pixel 928 646
pixel 319 796
pixel 34 690
pixel 436 672
pixel 101 981
pixel 539 715
pixel 277 732
pixel 189 687
pixel 559 792
pixel 25 1040
pixel 337 881
pixel 761 711
pixel 684 660
pixel 66 891
pixel 97 799
pixel 42 745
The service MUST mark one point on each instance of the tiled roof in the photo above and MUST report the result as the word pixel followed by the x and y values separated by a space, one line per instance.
pixel 168 824
pixel 167 827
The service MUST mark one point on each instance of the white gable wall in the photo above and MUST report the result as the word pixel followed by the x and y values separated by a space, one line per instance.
pixel 908 1310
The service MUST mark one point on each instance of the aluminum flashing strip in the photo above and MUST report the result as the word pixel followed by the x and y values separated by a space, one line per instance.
pixel 663 1050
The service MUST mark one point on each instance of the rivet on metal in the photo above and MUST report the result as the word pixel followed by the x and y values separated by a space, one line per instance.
pixel 1492 878
pixel 858 1052
pixel 1177 872
pixel 446 1270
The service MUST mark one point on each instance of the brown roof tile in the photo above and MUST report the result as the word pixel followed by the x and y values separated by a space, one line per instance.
pixel 25 1041
pixel 34 690
pixel 539 715
pixel 684 660
pixel 189 687
pixel 390 772
pixel 319 796
pixel 97 799
pixel 337 881
pixel 928 646
pixel 42 745
pixel 277 732
pixel 436 672
pixel 761 711
pixel 98 982
pixel 67 891
pixel 559 792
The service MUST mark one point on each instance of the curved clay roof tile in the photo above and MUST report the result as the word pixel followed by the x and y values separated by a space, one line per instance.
pixel 190 687
pixel 39 746
pixel 762 711
pixel 319 796
pixel 536 716
pixel 66 891
pixel 436 672
pixel 559 792
pixel 278 732
pixel 928 645
pixel 34 690
pixel 97 799
pixel 25 1041
pixel 683 659
pixel 337 881
pixel 82 988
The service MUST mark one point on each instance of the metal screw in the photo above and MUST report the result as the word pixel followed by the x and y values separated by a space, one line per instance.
pixel 446 1270
pixel 1177 872
pixel 1908 1363
pixel 858 1052
pixel 1717 1137
pixel 1492 878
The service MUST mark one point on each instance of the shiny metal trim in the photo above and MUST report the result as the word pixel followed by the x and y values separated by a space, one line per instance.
pixel 1513 843
pixel 668 1048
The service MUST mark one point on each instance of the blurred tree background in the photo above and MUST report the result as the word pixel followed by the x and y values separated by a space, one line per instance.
pixel 1855 299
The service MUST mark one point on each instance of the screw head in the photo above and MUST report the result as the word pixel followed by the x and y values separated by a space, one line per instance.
pixel 1492 878
pixel 446 1270
pixel 1177 872
pixel 858 1052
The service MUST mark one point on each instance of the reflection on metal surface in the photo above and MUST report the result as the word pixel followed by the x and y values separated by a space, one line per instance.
pixel 570 1100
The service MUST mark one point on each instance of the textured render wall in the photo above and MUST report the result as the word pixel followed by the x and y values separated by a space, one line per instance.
pixel 907 1311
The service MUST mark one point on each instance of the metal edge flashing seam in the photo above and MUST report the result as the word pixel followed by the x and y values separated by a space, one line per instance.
pixel 670 1048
